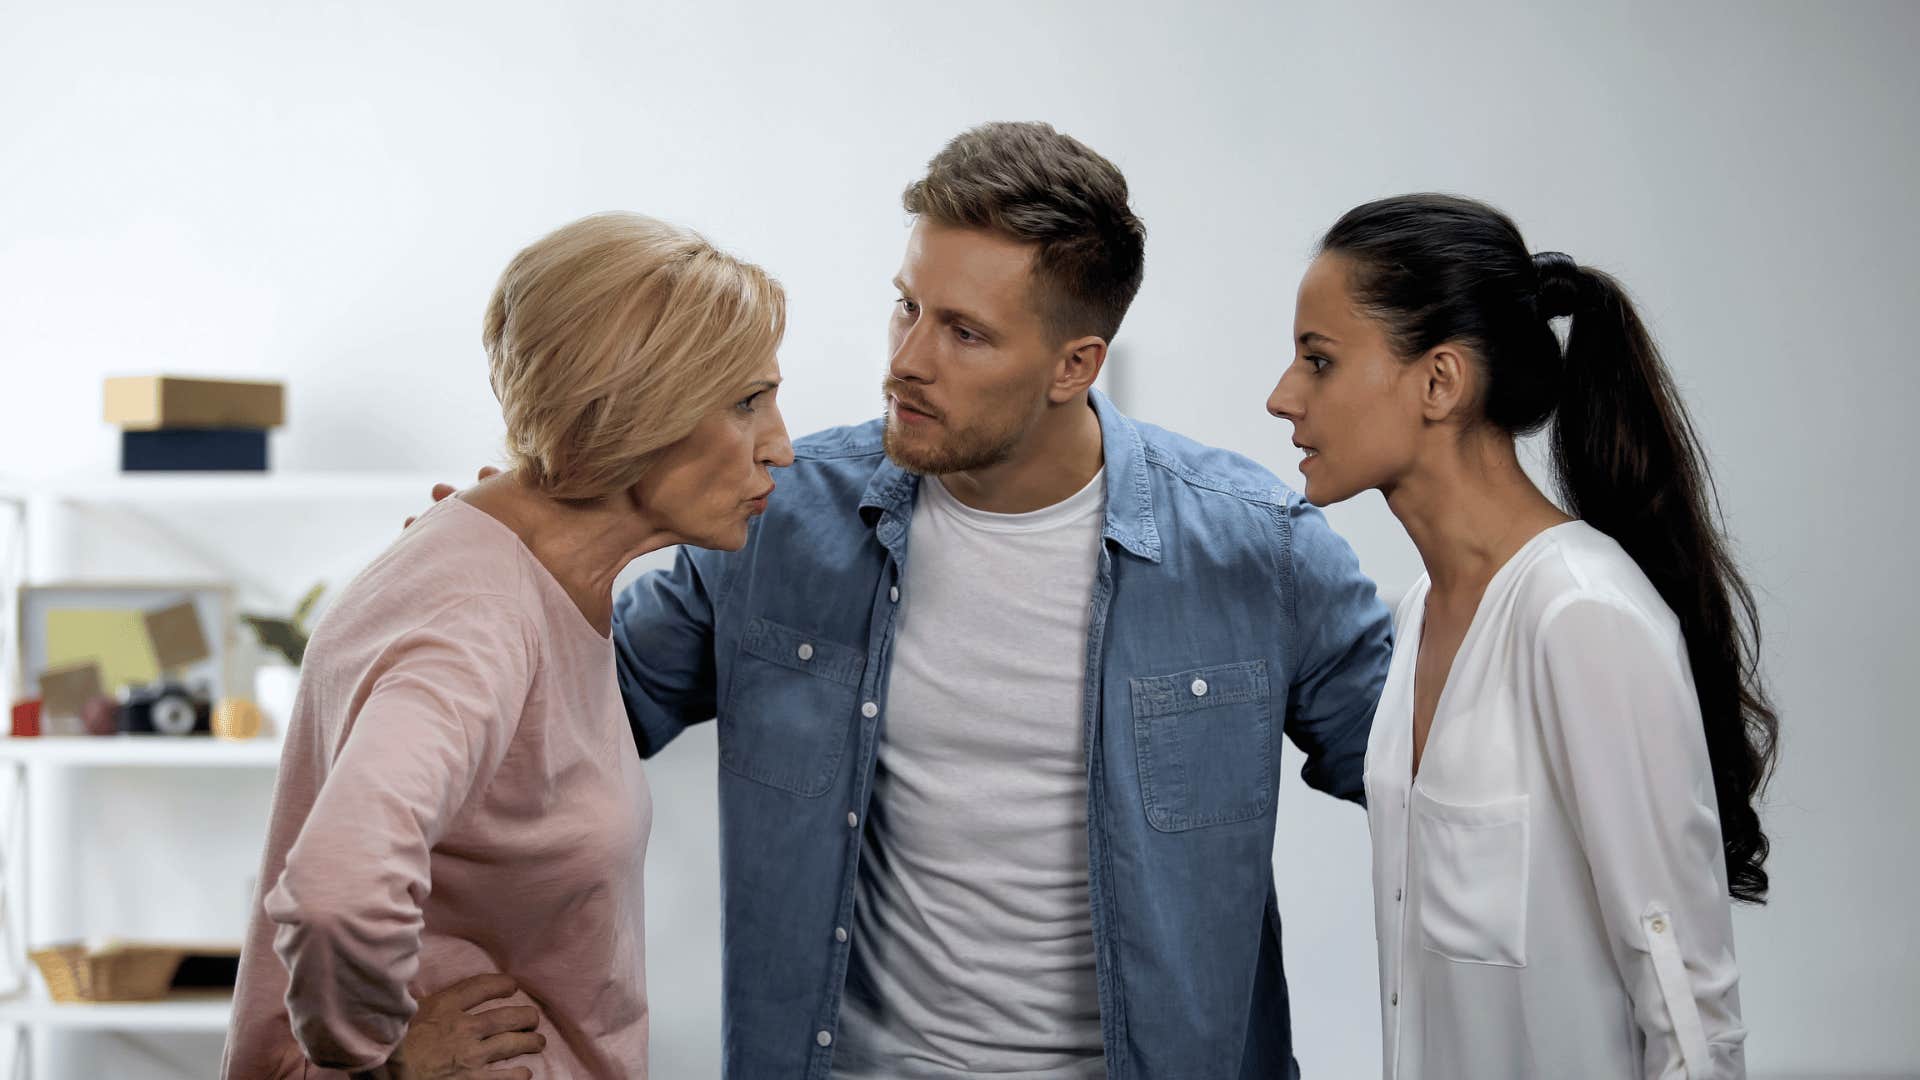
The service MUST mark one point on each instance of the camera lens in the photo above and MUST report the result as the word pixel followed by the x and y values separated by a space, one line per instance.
pixel 173 715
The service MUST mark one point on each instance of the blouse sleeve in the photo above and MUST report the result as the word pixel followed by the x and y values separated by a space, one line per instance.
pixel 1622 731
pixel 348 906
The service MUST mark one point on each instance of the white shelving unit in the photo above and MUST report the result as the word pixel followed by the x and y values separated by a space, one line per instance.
pixel 40 508
pixel 138 488
pixel 208 1012
pixel 140 751
pixel 33 515
pixel 28 1011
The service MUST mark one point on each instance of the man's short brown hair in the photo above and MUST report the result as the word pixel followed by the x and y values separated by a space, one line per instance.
pixel 1028 182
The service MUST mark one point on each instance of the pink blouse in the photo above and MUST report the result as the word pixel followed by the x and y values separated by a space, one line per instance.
pixel 459 794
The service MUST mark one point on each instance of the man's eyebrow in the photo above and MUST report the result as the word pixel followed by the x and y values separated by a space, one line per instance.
pixel 953 315
pixel 947 314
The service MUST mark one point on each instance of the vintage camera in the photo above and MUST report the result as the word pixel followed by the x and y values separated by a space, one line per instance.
pixel 166 708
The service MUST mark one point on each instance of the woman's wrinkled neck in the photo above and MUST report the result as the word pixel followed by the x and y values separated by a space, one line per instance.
pixel 583 544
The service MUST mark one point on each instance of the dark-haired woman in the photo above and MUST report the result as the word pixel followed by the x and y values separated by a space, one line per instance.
pixel 1561 775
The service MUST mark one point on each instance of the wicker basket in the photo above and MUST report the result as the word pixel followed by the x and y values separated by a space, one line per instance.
pixel 114 973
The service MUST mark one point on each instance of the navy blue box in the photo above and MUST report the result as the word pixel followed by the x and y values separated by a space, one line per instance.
pixel 194 450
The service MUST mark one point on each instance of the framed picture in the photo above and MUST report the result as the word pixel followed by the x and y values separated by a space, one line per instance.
pixel 82 641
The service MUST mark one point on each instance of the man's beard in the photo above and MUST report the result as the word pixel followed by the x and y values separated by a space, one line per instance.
pixel 960 451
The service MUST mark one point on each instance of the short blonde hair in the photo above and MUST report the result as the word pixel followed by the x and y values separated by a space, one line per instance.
pixel 610 339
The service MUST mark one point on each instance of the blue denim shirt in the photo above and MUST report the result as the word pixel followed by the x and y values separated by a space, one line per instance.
pixel 1225 611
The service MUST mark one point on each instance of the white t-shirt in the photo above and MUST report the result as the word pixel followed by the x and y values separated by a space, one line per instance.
pixel 972 941
pixel 1550 894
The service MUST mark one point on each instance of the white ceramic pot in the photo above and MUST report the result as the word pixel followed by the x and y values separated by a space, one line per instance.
pixel 274 688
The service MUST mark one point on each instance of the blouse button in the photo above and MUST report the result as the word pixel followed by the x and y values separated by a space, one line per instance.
pixel 806 651
pixel 1396 998
pixel 1199 688
pixel 1398 893
pixel 1659 925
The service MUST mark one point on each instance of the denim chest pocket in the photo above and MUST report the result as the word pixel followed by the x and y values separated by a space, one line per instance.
pixel 790 700
pixel 1205 744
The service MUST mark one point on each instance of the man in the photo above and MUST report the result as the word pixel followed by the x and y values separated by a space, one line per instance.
pixel 1000 681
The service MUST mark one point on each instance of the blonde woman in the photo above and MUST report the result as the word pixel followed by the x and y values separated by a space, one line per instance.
pixel 461 816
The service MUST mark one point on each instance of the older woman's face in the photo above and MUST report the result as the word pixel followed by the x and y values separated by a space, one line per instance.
pixel 707 485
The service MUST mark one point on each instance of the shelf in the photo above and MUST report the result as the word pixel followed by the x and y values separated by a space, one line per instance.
pixel 406 488
pixel 200 1011
pixel 140 751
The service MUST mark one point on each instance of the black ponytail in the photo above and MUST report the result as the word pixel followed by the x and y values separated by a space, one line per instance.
pixel 1438 269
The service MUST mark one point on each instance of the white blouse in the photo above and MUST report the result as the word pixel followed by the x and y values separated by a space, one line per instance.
pixel 1550 897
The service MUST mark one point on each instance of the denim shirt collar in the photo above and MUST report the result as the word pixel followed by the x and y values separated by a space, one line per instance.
pixel 1129 521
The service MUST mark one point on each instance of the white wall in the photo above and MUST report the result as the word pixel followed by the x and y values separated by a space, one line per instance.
pixel 325 195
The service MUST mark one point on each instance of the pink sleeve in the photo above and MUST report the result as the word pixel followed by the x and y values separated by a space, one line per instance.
pixel 444 702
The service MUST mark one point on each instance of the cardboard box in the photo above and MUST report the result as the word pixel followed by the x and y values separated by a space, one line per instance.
pixel 156 402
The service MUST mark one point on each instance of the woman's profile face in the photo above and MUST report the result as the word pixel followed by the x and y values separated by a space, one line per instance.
pixel 706 487
pixel 1354 404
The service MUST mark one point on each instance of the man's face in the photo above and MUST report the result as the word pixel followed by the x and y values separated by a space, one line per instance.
pixel 971 358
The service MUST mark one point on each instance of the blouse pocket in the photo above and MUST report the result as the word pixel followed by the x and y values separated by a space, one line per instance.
pixel 1205 745
pixel 788 709
pixel 1473 879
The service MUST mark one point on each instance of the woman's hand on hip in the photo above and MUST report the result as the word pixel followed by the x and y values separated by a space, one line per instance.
pixel 452 1038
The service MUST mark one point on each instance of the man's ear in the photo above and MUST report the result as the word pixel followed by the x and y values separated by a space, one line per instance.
pixel 1079 363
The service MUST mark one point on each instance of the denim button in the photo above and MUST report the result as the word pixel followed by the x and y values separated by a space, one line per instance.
pixel 806 651
pixel 893 594
pixel 869 710
pixel 825 1038
pixel 840 933
pixel 1199 688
